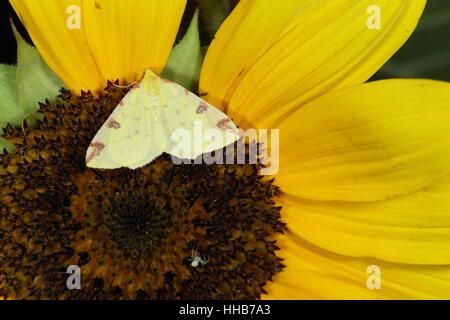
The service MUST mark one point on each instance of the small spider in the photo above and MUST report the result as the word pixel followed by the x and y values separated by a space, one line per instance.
pixel 196 259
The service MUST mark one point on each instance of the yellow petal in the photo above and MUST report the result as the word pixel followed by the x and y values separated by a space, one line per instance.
pixel 128 37
pixel 247 33
pixel 371 142
pixel 314 273
pixel 65 51
pixel 115 39
pixel 412 229
pixel 271 57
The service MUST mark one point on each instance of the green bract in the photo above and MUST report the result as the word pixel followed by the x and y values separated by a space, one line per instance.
pixel 22 87
pixel 185 61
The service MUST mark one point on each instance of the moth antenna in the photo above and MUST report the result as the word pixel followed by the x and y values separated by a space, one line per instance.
pixel 124 87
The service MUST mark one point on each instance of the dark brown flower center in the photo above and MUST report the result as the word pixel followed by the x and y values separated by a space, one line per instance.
pixel 134 234
pixel 134 219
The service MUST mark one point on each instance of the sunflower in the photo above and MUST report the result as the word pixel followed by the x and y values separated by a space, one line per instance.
pixel 364 181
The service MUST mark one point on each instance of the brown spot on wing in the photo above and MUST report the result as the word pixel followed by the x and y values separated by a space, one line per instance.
pixel 113 124
pixel 97 5
pixel 97 148
pixel 225 124
pixel 202 108
pixel 121 103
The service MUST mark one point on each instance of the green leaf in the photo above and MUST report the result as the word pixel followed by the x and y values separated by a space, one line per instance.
pixel 35 80
pixel 185 61
pixel 22 87
pixel 4 144
pixel 10 110
pixel 31 118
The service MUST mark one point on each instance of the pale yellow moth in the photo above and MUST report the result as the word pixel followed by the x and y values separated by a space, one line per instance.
pixel 141 127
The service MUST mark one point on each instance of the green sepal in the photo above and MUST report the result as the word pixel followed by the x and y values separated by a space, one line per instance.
pixel 5 144
pixel 23 87
pixel 32 118
pixel 213 13
pixel 185 61
pixel 10 110
pixel 35 80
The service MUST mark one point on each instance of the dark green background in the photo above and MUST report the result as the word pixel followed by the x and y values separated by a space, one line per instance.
pixel 427 52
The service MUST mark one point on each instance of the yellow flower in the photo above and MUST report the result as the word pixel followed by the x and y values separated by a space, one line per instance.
pixel 364 168
pixel 97 40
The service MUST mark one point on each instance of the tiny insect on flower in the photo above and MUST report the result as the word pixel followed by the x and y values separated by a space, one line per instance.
pixel 196 259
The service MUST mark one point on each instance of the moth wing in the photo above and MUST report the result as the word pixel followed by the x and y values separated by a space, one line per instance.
pixel 184 110
pixel 142 125
pixel 132 136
